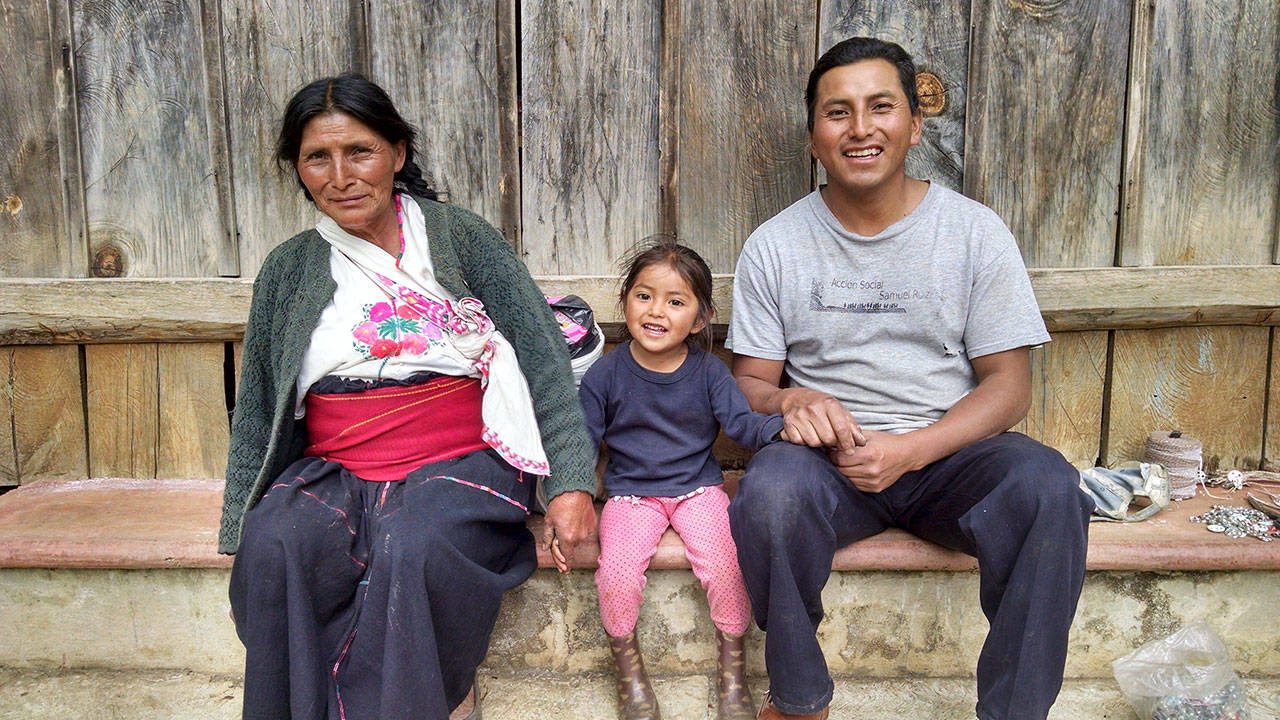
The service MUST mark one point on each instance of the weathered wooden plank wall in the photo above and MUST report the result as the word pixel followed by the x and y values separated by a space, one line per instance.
pixel 8 450
pixel 271 48
pixel 1271 452
pixel 149 129
pixel 1029 69
pixel 741 152
pixel 589 98
pixel 936 33
pixel 441 59
pixel 1199 188
pixel 139 135
pixel 40 238
pixel 123 401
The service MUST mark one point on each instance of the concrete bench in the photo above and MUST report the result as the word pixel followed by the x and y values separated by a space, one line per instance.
pixel 138 524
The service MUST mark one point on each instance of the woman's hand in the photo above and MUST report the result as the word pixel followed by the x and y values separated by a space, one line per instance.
pixel 571 519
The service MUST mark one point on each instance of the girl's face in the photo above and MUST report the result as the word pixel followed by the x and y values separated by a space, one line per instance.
pixel 661 310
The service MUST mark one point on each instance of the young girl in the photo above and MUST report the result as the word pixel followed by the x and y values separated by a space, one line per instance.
pixel 658 402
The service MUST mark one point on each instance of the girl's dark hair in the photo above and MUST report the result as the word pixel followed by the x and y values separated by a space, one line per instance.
pixel 691 268
pixel 362 99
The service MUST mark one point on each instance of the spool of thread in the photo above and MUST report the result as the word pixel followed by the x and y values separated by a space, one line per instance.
pixel 1182 458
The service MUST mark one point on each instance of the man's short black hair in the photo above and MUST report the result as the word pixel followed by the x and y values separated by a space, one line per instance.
pixel 855 49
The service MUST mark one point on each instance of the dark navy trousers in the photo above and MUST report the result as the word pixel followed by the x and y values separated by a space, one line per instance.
pixel 1010 501
pixel 360 600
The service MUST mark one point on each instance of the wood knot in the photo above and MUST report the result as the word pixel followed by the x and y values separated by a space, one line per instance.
pixel 13 204
pixel 933 98
pixel 108 262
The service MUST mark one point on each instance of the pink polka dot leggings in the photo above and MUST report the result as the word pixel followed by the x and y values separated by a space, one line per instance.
pixel 630 528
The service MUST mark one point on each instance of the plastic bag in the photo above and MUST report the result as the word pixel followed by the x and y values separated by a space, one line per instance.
pixel 1185 676
pixel 581 332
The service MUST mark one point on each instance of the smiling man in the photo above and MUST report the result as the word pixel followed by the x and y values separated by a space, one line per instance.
pixel 901 316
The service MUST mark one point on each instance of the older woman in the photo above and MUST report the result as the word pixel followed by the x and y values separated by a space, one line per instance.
pixel 404 387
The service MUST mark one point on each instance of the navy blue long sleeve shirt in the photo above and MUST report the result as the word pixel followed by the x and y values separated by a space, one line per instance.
pixel 659 427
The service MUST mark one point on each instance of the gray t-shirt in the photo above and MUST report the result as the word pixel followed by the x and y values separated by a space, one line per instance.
pixel 886 324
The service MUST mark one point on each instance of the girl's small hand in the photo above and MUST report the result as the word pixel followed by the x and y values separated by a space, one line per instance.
pixel 817 419
pixel 571 520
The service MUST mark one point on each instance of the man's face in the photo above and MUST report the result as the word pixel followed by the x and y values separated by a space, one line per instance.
pixel 862 127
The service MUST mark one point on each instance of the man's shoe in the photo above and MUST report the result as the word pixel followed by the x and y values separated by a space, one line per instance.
pixel 769 712
pixel 636 700
pixel 734 696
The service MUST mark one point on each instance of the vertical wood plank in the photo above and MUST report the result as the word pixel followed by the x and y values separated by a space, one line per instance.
pixel 193 428
pixel 1037 150
pixel 33 221
pixel 147 132
pixel 1200 187
pixel 439 61
pixel 1207 382
pixel 508 79
pixel 1272 450
pixel 122 394
pixel 742 143
pixel 1066 395
pixel 936 34
pixel 48 412
pixel 1204 94
pixel 271 49
pixel 8 451
pixel 1030 68
pixel 589 180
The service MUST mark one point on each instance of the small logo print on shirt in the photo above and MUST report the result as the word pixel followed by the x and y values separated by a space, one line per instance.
pixel 817 304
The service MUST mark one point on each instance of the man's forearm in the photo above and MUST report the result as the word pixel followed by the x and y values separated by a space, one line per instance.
pixel 763 396
pixel 999 402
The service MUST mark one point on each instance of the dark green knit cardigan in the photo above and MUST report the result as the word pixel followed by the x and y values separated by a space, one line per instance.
pixel 293 287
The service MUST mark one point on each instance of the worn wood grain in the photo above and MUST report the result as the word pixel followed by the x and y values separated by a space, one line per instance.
pixel 271 49
pixel 1271 453
pixel 1066 395
pixel 122 396
pixel 507 77
pixel 8 451
pixel 1203 173
pixel 237 355
pixel 1044 134
pixel 33 219
pixel 194 430
pixel 1206 382
pixel 147 136
pixel 743 149
pixel 72 311
pixel 936 34
pixel 48 413
pixel 438 61
pixel 589 178
pixel 36 312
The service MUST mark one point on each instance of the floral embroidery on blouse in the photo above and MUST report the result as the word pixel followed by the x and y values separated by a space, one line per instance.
pixel 393 328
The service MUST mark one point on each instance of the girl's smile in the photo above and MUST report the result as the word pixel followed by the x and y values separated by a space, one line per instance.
pixel 661 311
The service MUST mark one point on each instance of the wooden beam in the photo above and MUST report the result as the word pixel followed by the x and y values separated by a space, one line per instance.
pixel 51 312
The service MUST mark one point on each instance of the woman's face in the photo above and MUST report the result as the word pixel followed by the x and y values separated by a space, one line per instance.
pixel 349 169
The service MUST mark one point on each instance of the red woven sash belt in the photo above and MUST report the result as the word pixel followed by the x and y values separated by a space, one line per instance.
pixel 385 433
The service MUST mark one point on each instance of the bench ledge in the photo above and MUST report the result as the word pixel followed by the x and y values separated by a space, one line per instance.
pixel 124 523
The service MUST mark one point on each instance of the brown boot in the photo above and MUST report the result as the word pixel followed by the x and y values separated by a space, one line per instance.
pixel 636 700
pixel 769 712
pixel 735 697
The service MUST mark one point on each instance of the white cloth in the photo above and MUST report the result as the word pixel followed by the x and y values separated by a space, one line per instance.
pixel 456 336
